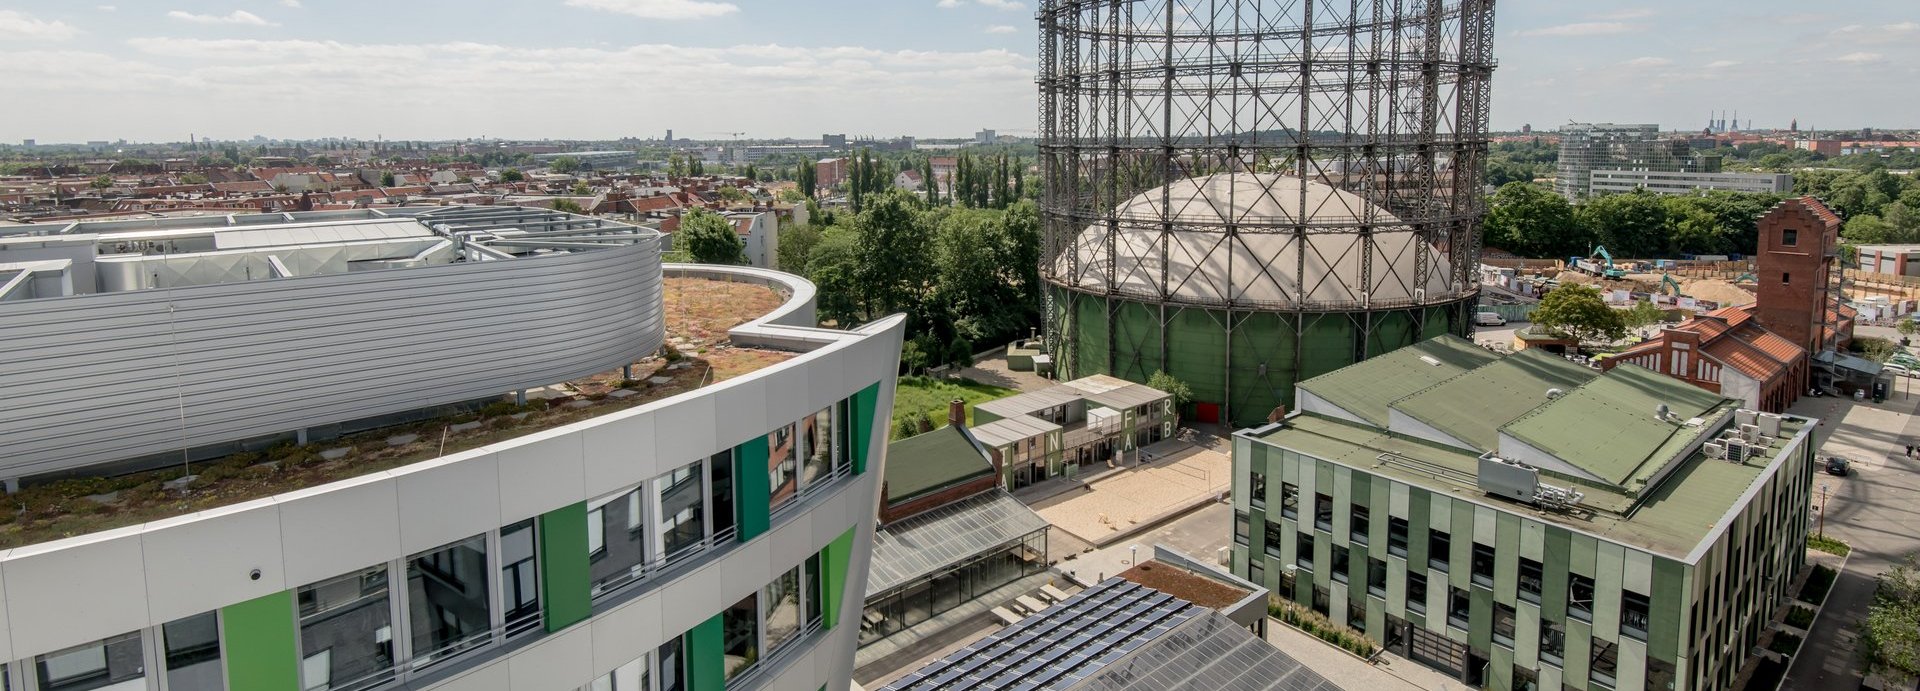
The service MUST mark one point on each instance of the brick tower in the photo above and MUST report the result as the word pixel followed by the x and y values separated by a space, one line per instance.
pixel 1799 288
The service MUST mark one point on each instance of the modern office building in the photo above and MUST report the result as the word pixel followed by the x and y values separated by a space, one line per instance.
pixel 1056 431
pixel 678 533
pixel 1524 522
pixel 1615 180
pixel 594 160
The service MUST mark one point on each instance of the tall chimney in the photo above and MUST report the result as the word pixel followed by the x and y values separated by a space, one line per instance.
pixel 957 413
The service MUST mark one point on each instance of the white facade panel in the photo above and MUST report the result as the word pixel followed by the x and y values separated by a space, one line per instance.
pixel 333 529
pixel 183 578
pixel 540 472
pixel 442 500
pixel 59 598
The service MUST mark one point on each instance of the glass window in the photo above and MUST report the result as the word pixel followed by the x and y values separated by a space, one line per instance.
pixel 1789 237
pixel 1553 641
pixel 1439 549
pixel 346 631
pixel 1579 597
pixel 519 577
pixel 1357 527
pixel 1339 566
pixel 1531 580
pixel 783 608
pixel 782 475
pixel 1606 662
pixel 1397 536
pixel 1322 512
pixel 1257 490
pixel 816 445
pixel 1271 541
pixel 1503 624
pixel 740 634
pixel 98 665
pixel 843 435
pixel 616 539
pixel 672 666
pixel 1416 592
pixel 1634 610
pixel 720 490
pixel 628 677
pixel 1376 578
pixel 1482 565
pixel 816 590
pixel 1356 616
pixel 1289 500
pixel 1459 608
pixel 193 653
pixel 1303 550
pixel 447 600
pixel 680 500
pixel 1241 527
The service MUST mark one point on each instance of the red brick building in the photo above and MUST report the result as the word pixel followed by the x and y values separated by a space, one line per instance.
pixel 1762 353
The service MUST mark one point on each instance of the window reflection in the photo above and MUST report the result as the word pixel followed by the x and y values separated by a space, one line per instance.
pixel 346 632
pixel 103 664
pixel 616 543
pixel 783 608
pixel 781 475
pixel 519 577
pixel 193 653
pixel 816 438
pixel 740 634
pixel 447 599
pixel 680 498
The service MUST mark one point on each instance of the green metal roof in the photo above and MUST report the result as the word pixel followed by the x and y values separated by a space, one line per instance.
pixel 1367 387
pixel 1607 427
pixel 1672 520
pixel 935 460
pixel 1473 406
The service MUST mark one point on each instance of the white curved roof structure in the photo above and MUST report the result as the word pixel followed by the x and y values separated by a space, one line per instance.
pixel 1269 263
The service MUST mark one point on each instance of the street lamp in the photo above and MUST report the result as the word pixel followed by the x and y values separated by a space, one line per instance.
pixel 1133 554
pixel 1822 530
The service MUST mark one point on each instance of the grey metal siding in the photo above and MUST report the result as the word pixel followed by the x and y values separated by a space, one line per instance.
pixel 95 378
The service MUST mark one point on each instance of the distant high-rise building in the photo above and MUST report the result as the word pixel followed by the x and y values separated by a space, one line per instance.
pixel 669 138
pixel 1602 158
pixel 837 141
pixel 1526 129
pixel 27 142
pixel 984 137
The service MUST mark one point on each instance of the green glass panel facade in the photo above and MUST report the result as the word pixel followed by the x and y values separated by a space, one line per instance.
pixel 565 596
pixel 865 401
pixel 839 557
pixel 707 656
pixel 259 648
pixel 753 488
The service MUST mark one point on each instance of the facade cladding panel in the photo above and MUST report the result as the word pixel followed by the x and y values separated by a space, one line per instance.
pixel 114 376
pixel 346 559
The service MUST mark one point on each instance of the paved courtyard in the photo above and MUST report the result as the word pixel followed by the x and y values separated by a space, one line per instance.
pixel 1182 476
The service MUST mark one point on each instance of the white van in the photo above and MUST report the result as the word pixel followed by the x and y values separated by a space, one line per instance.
pixel 1489 319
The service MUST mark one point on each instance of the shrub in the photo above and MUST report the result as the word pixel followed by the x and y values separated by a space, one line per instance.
pixel 1828 545
pixel 1784 643
pixel 1799 617
pixel 1818 582
pixel 1314 624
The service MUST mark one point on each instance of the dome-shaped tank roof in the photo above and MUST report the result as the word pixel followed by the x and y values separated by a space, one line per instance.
pixel 1264 263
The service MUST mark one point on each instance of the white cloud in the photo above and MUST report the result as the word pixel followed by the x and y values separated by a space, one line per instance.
pixel 1002 29
pixel 242 17
pixel 22 26
pixel 106 8
pixel 660 9
pixel 1722 64
pixel 290 3
pixel 1860 58
pixel 996 4
pixel 1581 29
pixel 1648 62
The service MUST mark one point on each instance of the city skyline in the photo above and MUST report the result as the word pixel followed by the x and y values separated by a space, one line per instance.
pixel 284 69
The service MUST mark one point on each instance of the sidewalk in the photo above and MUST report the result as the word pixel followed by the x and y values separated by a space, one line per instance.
pixel 1117 504
pixel 1392 673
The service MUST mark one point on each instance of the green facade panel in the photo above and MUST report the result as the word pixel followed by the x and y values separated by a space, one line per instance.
pixel 259 644
pixel 839 556
pixel 707 656
pixel 753 487
pixel 1480 619
pixel 1553 573
pixel 1506 563
pixel 566 597
pixel 865 403
pixel 1419 522
pixel 1669 601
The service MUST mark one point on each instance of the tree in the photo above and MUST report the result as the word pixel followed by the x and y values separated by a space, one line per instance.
pixel 710 239
pixel 1182 394
pixel 565 164
pixel 193 179
pixel 733 195
pixel 1533 222
pixel 386 179
pixel 1643 314
pixel 808 178
pixel 1630 225
pixel 834 267
pixel 565 205
pixel 1578 311
pixel 789 195
pixel 582 189
pixel 895 257
pixel 1907 327
pixel 512 175
pixel 1890 636
pixel 796 245
pixel 102 182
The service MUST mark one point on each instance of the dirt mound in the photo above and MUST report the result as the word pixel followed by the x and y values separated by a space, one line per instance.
pixel 1716 290
pixel 1576 277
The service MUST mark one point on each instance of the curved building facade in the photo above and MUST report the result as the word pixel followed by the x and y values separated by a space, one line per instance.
pixel 1245 197
pixel 713 539
pixel 196 333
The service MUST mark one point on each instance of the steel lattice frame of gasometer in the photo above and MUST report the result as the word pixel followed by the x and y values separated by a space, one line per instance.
pixel 1385 100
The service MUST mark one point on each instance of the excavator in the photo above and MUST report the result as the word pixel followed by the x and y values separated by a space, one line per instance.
pixel 1667 283
pixel 1587 265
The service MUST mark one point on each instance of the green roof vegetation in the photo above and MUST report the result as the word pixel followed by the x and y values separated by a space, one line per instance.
pixel 1607 427
pixel 928 396
pixel 932 461
pixel 1366 388
pixel 1473 406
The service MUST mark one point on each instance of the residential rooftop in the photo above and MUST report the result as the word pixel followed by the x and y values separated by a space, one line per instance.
pixel 699 314
pixel 931 461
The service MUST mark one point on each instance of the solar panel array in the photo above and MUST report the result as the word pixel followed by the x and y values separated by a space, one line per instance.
pixel 1118 636
pixel 1208 653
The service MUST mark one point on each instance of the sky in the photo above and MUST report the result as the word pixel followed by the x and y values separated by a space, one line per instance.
pixel 158 70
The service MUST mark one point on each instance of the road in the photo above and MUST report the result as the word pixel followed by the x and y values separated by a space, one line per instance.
pixel 1873 510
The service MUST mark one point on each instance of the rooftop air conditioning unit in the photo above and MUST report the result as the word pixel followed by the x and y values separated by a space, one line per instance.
pixel 1738 450
pixel 1716 449
pixel 1751 433
pixel 1770 424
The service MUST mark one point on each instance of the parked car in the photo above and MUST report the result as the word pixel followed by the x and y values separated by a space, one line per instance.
pixel 1489 319
pixel 1898 370
pixel 1837 465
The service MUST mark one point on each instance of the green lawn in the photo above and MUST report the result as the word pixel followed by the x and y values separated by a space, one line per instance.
pixel 930 396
